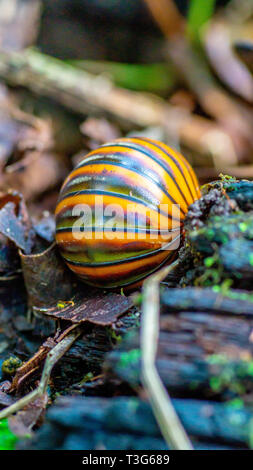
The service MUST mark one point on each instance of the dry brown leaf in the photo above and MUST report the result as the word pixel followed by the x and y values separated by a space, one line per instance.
pixel 22 423
pixel 15 231
pixel 46 278
pixel 97 308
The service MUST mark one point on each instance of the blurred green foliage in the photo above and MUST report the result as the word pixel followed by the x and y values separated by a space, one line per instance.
pixel 200 11
pixel 7 438
pixel 155 78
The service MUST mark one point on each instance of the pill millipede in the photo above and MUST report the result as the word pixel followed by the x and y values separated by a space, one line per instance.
pixel 137 192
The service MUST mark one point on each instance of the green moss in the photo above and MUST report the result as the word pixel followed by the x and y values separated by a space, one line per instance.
pixel 215 384
pixel 226 178
pixel 216 289
pixel 250 368
pixel 137 299
pixel 209 261
pixel 235 295
pixel 229 374
pixel 224 288
pixel 210 234
pixel 210 276
pixel 10 365
pixel 243 226
pixel 87 378
pixel 115 337
pixel 129 358
pixel 7 438
pixel 217 359
pixel 236 403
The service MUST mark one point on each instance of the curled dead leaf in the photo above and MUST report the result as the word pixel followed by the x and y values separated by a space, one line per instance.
pixel 16 231
pixel 5 400
pixel 46 277
pixel 22 423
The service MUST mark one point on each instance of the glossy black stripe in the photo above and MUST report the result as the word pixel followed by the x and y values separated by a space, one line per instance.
pixel 140 147
pixel 174 159
pixel 129 168
pixel 118 183
pixel 118 195
pixel 150 254
pixel 149 153
pixel 119 230
pixel 176 163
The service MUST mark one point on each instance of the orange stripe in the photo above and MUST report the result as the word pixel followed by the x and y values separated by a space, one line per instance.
pixel 169 161
pixel 119 271
pixel 143 159
pixel 187 165
pixel 130 178
pixel 157 221
pixel 163 166
pixel 66 239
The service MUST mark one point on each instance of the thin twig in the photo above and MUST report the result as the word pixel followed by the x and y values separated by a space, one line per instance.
pixel 52 358
pixel 170 425
pixel 85 93
pixel 167 16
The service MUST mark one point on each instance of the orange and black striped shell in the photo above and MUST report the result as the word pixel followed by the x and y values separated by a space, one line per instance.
pixel 146 188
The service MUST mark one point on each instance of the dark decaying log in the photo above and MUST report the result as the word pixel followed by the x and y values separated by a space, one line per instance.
pixel 89 351
pixel 128 423
pixel 199 354
pixel 197 299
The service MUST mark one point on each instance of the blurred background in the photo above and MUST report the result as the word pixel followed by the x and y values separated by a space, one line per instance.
pixel 76 73
pixel 117 30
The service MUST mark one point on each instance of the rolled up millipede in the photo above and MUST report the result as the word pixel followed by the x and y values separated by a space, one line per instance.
pixel 120 212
